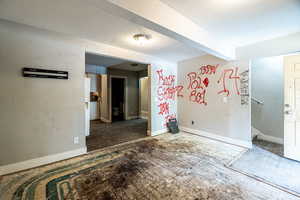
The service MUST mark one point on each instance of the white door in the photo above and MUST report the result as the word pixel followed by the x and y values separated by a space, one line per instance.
pixel 292 107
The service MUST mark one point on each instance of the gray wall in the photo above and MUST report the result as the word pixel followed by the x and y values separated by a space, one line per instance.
pixel 267 86
pixel 95 69
pixel 39 117
pixel 227 119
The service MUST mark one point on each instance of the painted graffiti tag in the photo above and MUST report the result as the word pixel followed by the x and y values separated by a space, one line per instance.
pixel 198 84
pixel 167 91
pixel 163 108
pixel 229 75
pixel 208 69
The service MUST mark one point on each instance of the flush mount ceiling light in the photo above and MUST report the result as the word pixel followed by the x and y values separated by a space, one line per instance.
pixel 142 38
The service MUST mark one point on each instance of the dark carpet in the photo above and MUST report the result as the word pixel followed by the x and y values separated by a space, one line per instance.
pixel 269 146
pixel 109 134
pixel 269 167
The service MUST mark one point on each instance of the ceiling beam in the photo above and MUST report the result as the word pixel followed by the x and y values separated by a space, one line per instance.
pixel 157 16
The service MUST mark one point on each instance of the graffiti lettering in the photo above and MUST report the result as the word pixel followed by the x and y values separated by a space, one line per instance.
pixel 197 87
pixel 229 74
pixel 163 108
pixel 208 69
pixel 165 80
pixel 166 92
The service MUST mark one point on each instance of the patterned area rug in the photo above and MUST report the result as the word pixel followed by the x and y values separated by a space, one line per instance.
pixel 181 166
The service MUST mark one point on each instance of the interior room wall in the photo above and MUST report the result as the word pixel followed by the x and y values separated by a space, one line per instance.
pixel 143 95
pixel 204 107
pixel 267 87
pixel 95 69
pixel 163 92
pixel 39 117
pixel 132 91
pixel 268 48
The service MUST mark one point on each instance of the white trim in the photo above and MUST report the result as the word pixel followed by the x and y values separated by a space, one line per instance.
pixel 132 117
pixel 143 117
pixel 262 136
pixel 148 133
pixel 15 167
pixel 217 137
pixel 155 133
pixel 144 114
pixel 254 132
pixel 105 120
pixel 125 95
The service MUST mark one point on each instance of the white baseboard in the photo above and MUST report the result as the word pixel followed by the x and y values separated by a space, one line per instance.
pixel 254 132
pixel 105 120
pixel 155 133
pixel 15 167
pixel 132 117
pixel 143 117
pixel 262 136
pixel 217 137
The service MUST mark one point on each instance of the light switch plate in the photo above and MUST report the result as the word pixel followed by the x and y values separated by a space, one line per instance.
pixel 225 99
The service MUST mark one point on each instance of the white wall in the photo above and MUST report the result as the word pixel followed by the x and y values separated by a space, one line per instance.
pixel 275 47
pixel 160 95
pixel 267 86
pixel 227 120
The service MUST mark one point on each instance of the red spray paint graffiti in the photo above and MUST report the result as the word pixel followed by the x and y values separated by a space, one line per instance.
pixel 229 74
pixel 167 91
pixel 198 84
pixel 208 69
pixel 163 108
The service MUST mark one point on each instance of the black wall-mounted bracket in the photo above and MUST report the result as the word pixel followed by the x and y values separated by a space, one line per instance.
pixel 44 73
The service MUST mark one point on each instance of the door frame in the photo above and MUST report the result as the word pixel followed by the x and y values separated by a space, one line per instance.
pixel 125 95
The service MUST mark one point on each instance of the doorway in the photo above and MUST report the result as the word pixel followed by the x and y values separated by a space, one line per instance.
pixel 118 98
pixel 274 92
pixel 120 117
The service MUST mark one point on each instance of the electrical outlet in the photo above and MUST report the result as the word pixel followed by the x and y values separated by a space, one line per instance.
pixel 225 99
pixel 193 122
pixel 76 140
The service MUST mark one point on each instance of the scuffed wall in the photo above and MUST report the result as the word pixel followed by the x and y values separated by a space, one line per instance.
pixel 214 98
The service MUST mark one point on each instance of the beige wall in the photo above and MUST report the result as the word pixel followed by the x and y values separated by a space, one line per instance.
pixel 39 117
pixel 222 116
pixel 144 96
